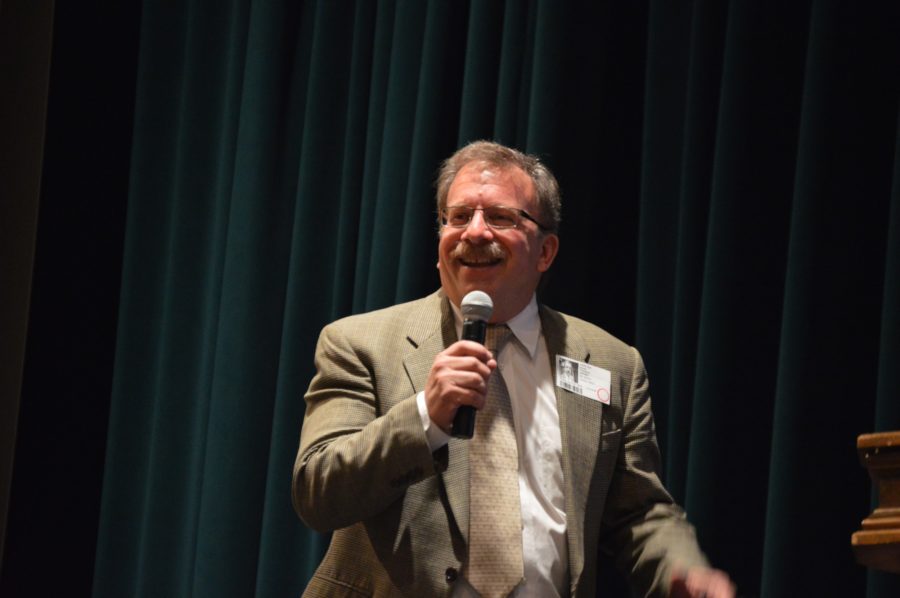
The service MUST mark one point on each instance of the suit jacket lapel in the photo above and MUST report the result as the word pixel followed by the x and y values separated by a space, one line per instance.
pixel 579 423
pixel 428 339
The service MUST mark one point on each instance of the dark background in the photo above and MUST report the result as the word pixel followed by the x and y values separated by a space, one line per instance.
pixel 54 503
pixel 219 180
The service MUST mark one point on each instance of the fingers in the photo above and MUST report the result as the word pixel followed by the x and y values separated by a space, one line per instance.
pixel 458 377
pixel 467 348
pixel 701 581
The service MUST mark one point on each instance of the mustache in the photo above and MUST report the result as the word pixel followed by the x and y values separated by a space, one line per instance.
pixel 478 253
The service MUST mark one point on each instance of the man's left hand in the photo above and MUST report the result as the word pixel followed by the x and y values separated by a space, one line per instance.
pixel 701 582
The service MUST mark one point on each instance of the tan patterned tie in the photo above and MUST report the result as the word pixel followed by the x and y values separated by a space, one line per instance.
pixel 495 511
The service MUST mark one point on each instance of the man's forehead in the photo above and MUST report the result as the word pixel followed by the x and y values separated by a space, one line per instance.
pixel 490 170
pixel 486 173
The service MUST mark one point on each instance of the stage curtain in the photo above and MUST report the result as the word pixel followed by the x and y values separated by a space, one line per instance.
pixel 731 185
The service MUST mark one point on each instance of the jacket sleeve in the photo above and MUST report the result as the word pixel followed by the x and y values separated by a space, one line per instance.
pixel 358 451
pixel 642 528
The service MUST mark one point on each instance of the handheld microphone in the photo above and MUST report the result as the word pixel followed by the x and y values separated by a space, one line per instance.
pixel 476 309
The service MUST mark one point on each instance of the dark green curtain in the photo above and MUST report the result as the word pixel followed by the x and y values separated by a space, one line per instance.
pixel 731 181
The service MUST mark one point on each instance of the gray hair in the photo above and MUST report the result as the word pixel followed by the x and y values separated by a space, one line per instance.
pixel 545 186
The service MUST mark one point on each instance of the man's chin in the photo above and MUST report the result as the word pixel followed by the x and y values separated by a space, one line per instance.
pixel 479 278
pixel 474 283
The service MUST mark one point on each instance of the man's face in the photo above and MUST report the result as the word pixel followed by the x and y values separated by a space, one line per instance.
pixel 506 264
pixel 567 371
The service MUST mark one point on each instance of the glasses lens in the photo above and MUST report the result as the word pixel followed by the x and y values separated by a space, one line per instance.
pixel 500 217
pixel 457 216
pixel 495 216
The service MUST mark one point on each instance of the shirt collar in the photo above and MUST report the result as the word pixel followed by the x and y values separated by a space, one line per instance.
pixel 525 325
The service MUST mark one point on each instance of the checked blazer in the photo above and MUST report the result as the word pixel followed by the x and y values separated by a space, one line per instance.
pixel 400 513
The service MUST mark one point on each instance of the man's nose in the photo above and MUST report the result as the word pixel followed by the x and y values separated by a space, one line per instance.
pixel 477 227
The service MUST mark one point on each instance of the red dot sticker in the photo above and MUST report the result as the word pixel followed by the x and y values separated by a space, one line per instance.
pixel 603 395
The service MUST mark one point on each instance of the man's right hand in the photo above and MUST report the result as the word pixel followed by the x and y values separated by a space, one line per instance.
pixel 458 377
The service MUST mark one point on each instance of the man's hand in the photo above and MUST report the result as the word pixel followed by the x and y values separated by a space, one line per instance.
pixel 458 376
pixel 701 582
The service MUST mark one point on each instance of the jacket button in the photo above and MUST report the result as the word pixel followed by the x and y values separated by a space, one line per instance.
pixel 450 574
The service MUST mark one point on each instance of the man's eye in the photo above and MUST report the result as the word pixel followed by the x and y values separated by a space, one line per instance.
pixel 502 218
pixel 458 217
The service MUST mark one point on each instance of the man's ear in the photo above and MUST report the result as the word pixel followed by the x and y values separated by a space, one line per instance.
pixel 549 249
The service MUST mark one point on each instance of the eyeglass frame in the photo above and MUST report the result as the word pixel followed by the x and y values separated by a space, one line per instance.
pixel 521 213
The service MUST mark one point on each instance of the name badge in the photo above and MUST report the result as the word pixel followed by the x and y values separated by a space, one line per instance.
pixel 583 378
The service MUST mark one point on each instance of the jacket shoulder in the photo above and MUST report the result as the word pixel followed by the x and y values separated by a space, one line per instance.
pixel 590 333
pixel 398 327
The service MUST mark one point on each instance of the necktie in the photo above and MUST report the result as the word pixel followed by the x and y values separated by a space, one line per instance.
pixel 495 512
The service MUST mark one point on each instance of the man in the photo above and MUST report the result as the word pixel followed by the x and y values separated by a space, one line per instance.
pixel 378 466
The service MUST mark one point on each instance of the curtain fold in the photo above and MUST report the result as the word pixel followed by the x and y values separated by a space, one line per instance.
pixel 665 126
pixel 743 276
pixel 731 186
pixel 832 299
pixel 887 407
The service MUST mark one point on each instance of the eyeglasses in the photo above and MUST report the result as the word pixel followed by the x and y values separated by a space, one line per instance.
pixel 497 217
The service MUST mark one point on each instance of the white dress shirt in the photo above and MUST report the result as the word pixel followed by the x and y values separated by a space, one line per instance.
pixel 525 366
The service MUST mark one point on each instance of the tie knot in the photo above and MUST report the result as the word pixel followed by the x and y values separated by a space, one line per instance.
pixel 496 337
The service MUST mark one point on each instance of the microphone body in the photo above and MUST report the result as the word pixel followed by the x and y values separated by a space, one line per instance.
pixel 476 308
pixel 464 421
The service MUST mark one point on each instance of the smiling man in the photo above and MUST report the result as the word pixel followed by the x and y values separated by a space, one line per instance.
pixel 551 480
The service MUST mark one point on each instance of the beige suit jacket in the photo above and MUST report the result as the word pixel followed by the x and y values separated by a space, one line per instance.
pixel 400 513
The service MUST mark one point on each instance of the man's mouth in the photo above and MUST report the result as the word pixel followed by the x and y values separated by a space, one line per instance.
pixel 478 256
pixel 479 263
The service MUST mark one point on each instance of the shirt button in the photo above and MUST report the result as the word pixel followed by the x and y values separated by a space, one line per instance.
pixel 450 574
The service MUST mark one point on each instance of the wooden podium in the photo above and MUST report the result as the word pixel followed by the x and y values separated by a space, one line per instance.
pixel 877 544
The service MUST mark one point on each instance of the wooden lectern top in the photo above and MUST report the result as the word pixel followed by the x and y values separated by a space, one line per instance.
pixel 877 544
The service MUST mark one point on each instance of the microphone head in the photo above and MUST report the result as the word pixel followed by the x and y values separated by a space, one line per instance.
pixel 477 305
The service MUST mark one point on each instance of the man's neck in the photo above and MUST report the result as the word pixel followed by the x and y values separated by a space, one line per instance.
pixel 525 325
